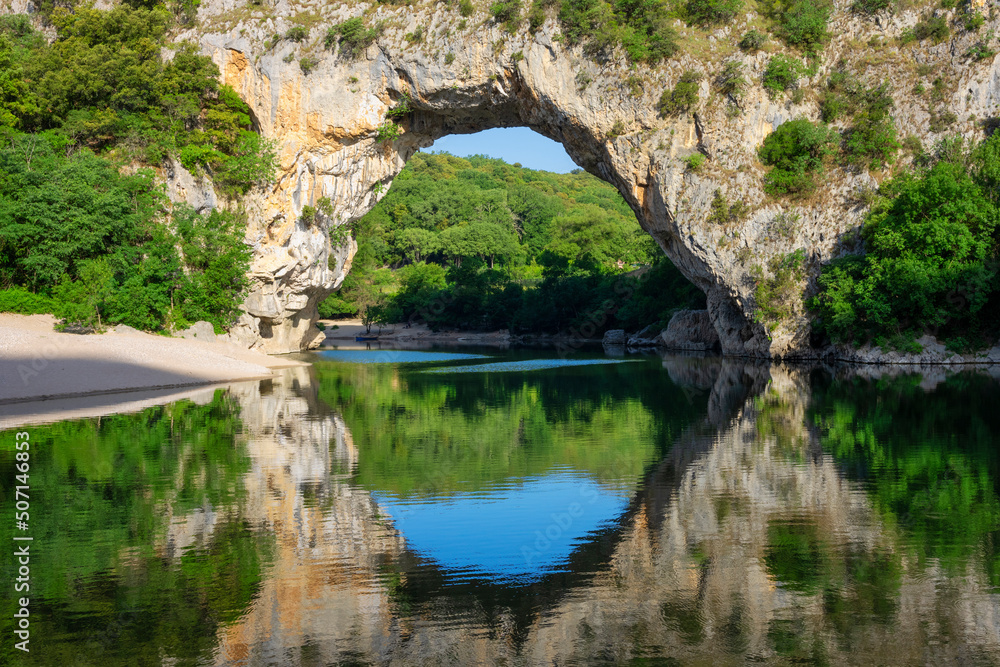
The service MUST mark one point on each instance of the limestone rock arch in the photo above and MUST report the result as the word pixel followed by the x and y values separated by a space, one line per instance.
pixel 465 76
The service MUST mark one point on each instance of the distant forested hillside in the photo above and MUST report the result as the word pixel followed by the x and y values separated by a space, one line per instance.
pixel 445 208
pixel 81 119
pixel 477 243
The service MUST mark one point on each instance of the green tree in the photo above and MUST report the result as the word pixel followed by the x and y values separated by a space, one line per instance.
pixel 797 150
pixel 781 74
pixel 58 211
pixel 217 262
pixel 15 97
pixel 419 243
pixel 682 97
pixel 713 12
pixel 83 299
pixel 929 262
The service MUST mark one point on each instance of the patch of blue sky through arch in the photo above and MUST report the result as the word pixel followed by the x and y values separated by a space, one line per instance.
pixel 511 144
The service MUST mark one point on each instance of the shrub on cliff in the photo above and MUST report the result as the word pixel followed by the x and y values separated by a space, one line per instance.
pixel 507 12
pixel 752 41
pixel 934 28
pixel 930 258
pixel 713 12
pixel 731 81
pixel 871 141
pixel 801 23
pixel 871 7
pixel 796 150
pixel 781 74
pixel 353 36
pixel 641 28
pixel 682 97
pixel 777 291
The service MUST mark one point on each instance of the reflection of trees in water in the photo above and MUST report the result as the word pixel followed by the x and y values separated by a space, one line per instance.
pixel 792 520
pixel 929 459
pixel 139 543
pixel 423 436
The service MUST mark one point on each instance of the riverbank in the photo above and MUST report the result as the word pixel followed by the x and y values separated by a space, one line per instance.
pixel 342 333
pixel 37 362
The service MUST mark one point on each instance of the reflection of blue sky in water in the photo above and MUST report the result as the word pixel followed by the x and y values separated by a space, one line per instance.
pixel 524 365
pixel 392 356
pixel 516 531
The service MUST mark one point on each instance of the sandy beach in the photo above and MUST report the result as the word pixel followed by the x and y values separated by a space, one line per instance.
pixel 37 362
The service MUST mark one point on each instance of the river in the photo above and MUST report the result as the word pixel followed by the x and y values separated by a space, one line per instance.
pixel 510 507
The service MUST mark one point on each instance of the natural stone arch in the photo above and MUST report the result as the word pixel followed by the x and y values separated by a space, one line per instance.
pixel 325 123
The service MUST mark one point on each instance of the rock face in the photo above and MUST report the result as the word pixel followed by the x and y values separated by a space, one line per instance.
pixel 199 331
pixel 647 337
pixel 614 337
pixel 465 75
pixel 690 330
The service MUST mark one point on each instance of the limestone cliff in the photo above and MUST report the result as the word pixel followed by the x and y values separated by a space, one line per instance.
pixel 463 75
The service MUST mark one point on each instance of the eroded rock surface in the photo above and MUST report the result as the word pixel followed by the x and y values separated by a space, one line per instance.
pixel 690 330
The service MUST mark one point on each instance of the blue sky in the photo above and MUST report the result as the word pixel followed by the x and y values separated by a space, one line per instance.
pixel 513 144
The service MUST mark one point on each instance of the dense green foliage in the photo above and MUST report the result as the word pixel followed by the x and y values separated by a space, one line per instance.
pixel 75 229
pixel 107 583
pixel 641 27
pixel 96 240
pixel 481 244
pixel 930 262
pixel 553 219
pixel 781 74
pixel 801 23
pixel 103 85
pixel 682 97
pixel 20 300
pixel 713 12
pixel 797 150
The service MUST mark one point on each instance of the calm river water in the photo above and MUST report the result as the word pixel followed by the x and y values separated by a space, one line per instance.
pixel 417 508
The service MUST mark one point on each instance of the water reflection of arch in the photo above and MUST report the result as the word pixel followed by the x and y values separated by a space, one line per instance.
pixel 293 439
pixel 671 567
pixel 515 609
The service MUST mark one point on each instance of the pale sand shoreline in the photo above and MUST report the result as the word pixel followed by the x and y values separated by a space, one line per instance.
pixel 39 363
